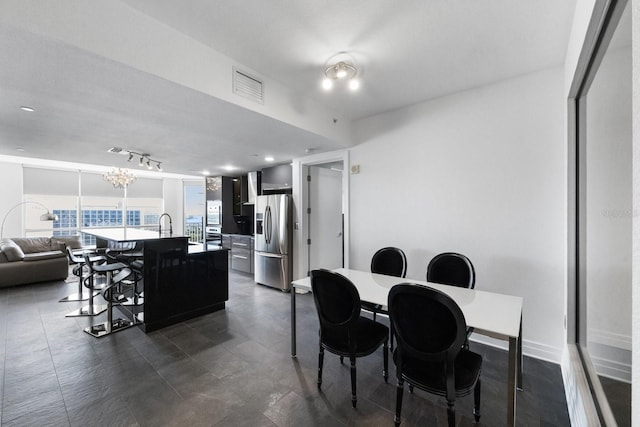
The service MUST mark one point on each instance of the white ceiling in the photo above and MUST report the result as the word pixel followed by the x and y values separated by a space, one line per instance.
pixel 407 52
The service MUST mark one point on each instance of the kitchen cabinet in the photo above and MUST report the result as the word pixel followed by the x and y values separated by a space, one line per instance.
pixel 226 241
pixel 241 253
pixel 277 179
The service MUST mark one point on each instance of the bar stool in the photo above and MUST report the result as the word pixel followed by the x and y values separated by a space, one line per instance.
pixel 78 263
pixel 104 270
pixel 137 298
pixel 114 295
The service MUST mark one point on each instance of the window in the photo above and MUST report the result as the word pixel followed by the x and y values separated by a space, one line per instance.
pixel 58 191
pixel 86 200
pixel 194 208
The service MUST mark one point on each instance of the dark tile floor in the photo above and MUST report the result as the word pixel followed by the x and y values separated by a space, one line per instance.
pixel 230 368
pixel 619 397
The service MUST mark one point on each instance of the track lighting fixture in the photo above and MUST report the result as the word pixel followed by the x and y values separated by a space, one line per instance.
pixel 145 159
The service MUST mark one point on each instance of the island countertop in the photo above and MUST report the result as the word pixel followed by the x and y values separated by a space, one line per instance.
pixel 125 234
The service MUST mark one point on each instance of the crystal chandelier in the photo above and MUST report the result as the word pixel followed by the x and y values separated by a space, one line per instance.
pixel 119 178
pixel 214 183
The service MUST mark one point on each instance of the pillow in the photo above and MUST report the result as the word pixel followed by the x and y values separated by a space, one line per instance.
pixel 11 250
pixel 30 245
pixel 72 242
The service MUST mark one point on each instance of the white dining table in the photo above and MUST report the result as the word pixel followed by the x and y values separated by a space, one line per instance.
pixel 488 313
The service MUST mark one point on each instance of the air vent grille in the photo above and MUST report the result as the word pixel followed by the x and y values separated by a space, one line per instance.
pixel 247 86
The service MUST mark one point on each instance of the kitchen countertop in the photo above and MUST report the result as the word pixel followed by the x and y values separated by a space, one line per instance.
pixel 196 248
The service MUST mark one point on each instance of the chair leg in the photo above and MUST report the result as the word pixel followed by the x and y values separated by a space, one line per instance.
pixel 341 360
pixel 411 388
pixel 354 399
pixel 320 363
pixel 385 372
pixel 476 401
pixel 374 315
pixel 391 335
pixel 451 413
pixel 399 391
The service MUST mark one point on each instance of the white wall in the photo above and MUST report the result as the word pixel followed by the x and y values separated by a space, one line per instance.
pixel 10 195
pixel 482 172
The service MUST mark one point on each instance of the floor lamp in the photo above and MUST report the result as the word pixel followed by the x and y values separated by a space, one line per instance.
pixel 47 216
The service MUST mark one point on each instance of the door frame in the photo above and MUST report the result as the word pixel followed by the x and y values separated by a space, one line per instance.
pixel 300 201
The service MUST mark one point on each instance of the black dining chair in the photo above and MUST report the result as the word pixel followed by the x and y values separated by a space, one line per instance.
pixel 342 330
pixel 451 268
pixel 430 332
pixel 392 262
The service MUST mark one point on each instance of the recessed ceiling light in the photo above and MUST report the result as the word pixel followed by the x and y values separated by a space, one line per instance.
pixel 20 149
pixel 269 158
pixel 28 109
pixel 228 168
pixel 205 172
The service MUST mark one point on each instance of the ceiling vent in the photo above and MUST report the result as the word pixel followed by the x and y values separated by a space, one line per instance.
pixel 247 86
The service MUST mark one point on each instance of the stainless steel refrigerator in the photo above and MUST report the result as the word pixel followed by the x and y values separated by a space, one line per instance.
pixel 273 241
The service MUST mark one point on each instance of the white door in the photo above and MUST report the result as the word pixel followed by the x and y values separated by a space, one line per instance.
pixel 325 216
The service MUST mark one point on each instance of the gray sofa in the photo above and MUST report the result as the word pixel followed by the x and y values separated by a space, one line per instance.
pixel 26 260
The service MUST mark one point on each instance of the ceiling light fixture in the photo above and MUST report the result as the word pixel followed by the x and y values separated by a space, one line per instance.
pixel 269 159
pixel 119 178
pixel 145 158
pixel 341 70
pixel 213 183
pixel 27 109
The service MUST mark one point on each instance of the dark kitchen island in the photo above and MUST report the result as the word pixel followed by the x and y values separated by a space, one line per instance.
pixel 181 280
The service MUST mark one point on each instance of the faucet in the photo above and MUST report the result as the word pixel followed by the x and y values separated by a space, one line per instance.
pixel 160 224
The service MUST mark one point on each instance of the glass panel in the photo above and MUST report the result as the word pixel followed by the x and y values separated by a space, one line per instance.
pixel 607 224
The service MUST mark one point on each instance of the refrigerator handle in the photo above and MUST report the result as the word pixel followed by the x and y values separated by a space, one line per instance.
pixel 270 255
pixel 268 223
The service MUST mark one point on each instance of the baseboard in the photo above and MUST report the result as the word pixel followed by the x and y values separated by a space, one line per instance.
pixel 529 348
pixel 582 410
pixel 610 354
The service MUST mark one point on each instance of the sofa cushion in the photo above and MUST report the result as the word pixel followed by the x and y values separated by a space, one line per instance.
pixel 38 256
pixel 11 250
pixel 72 242
pixel 3 258
pixel 30 245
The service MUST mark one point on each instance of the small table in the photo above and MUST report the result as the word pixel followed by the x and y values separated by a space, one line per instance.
pixel 491 314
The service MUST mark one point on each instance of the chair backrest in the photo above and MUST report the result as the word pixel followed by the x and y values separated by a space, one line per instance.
pixel 73 259
pixel 336 298
pixel 428 324
pixel 88 263
pixel 390 261
pixel 450 268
